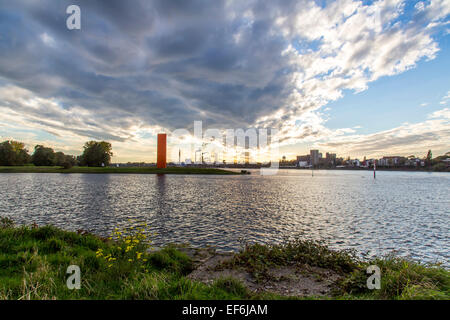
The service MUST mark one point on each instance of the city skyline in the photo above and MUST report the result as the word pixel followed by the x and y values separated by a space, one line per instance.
pixel 352 78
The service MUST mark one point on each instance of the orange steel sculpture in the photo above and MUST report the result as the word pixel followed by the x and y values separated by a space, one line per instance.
pixel 161 161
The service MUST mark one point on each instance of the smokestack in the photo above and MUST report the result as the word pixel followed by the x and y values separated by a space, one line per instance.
pixel 161 160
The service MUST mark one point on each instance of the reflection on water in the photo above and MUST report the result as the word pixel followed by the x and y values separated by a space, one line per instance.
pixel 160 194
pixel 406 212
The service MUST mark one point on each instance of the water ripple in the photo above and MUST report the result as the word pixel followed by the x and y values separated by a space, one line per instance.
pixel 406 212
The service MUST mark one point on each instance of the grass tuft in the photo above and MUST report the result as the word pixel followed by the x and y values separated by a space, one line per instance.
pixel 258 259
pixel 400 279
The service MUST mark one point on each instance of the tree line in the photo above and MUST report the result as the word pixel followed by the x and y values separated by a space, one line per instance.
pixel 95 154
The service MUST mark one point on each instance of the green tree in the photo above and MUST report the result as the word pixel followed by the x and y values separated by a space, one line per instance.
pixel 6 154
pixel 13 153
pixel 43 156
pixel 60 158
pixel 428 158
pixel 96 153
pixel 69 161
pixel 64 160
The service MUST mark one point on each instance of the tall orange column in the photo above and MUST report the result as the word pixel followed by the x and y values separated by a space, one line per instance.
pixel 161 160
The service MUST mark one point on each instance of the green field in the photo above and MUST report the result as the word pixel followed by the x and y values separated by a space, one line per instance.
pixel 34 261
pixel 141 170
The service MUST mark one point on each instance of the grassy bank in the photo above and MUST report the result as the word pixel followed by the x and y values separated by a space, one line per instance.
pixel 34 260
pixel 33 263
pixel 400 278
pixel 139 170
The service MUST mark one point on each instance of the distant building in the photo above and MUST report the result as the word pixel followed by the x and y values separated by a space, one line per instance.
pixel 368 162
pixel 391 161
pixel 303 164
pixel 330 158
pixel 303 158
pixel 303 161
pixel 314 157
pixel 413 162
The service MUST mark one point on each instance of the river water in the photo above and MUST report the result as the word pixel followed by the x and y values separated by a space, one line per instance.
pixel 405 212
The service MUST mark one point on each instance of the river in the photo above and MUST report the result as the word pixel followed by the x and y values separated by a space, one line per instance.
pixel 405 212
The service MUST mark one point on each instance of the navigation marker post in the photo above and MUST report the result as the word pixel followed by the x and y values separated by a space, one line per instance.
pixel 374 169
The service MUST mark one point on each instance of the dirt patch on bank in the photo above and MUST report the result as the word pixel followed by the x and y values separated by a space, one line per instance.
pixel 295 280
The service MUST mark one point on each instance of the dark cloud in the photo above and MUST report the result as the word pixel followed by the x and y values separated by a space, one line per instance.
pixel 164 62
pixel 168 63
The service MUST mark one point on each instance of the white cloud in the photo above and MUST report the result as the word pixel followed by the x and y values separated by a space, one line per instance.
pixel 445 99
pixel 403 140
pixel 358 44
pixel 444 113
pixel 48 40
pixel 420 6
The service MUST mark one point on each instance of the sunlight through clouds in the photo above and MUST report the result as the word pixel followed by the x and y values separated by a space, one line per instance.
pixel 134 70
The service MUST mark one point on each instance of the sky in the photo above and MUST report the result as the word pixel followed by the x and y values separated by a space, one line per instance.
pixel 356 78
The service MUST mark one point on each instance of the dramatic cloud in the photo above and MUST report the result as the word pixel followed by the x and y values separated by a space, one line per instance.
pixel 408 138
pixel 140 66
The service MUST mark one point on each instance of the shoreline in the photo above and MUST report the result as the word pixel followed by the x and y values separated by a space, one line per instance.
pixel 378 169
pixel 120 170
pixel 348 169
pixel 182 170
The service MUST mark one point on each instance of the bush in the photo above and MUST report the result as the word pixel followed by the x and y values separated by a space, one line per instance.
pixel 400 279
pixel 67 165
